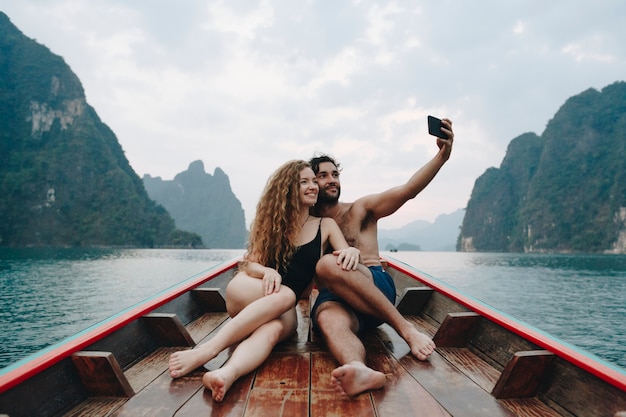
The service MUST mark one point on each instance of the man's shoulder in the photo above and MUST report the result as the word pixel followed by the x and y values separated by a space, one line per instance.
pixel 363 203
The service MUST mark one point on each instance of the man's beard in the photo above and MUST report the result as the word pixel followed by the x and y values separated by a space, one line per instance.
pixel 326 199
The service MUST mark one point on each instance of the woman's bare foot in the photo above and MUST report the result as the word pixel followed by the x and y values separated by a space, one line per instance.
pixel 219 382
pixel 354 378
pixel 421 345
pixel 185 361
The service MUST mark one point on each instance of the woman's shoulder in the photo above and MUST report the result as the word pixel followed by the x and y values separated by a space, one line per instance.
pixel 327 222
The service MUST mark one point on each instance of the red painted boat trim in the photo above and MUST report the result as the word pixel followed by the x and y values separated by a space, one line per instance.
pixel 75 343
pixel 613 376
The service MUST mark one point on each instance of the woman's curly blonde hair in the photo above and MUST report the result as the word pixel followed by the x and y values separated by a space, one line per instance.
pixel 276 226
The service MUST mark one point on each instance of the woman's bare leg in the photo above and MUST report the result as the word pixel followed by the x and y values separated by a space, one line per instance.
pixel 249 308
pixel 250 354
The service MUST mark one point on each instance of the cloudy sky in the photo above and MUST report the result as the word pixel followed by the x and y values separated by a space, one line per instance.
pixel 247 85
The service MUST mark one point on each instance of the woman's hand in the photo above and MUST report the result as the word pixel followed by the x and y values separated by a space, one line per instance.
pixel 348 258
pixel 271 280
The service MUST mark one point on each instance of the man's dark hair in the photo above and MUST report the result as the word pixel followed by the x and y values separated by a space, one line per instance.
pixel 318 159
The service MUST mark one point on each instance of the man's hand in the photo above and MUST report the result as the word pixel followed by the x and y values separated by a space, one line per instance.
pixel 348 258
pixel 445 145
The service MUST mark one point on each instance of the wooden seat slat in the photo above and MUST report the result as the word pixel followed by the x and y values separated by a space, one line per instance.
pixel 456 330
pixel 522 376
pixel 210 298
pixel 101 374
pixel 168 329
pixel 414 299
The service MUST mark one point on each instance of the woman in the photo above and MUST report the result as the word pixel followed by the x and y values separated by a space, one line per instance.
pixel 285 244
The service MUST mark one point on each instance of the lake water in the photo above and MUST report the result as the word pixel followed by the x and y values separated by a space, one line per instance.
pixel 47 295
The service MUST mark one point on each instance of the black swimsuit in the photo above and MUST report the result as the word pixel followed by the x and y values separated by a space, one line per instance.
pixel 300 271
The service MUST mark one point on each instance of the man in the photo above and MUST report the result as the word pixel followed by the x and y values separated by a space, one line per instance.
pixel 350 302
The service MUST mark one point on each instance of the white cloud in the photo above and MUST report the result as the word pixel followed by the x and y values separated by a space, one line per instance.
pixel 246 85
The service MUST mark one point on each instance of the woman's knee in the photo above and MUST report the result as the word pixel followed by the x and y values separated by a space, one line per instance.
pixel 241 291
pixel 278 330
pixel 286 298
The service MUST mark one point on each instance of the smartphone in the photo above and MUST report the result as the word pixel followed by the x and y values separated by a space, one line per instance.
pixel 434 127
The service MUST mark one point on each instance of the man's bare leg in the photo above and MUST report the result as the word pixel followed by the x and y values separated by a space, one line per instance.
pixel 358 290
pixel 339 327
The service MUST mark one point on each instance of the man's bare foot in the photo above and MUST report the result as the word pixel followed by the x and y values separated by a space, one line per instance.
pixel 185 361
pixel 218 382
pixel 421 345
pixel 354 378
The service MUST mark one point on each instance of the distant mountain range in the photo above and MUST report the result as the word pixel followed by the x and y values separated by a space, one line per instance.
pixel 202 203
pixel 441 235
pixel 563 191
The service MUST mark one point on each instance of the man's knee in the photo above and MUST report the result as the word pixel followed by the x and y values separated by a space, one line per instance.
pixel 334 319
pixel 327 268
pixel 324 264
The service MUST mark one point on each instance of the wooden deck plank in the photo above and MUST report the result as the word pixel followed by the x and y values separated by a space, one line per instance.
pixel 278 402
pixel 163 397
pixel 234 404
pixel 459 395
pixel 402 395
pixel 471 365
pixel 325 401
pixel 422 325
pixel 205 324
pixel 529 407
pixel 96 407
pixel 281 386
pixel 284 371
pixel 150 368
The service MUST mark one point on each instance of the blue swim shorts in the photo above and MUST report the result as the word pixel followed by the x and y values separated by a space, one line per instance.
pixel 382 281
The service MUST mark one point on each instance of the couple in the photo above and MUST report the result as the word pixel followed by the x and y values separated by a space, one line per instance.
pixel 285 252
